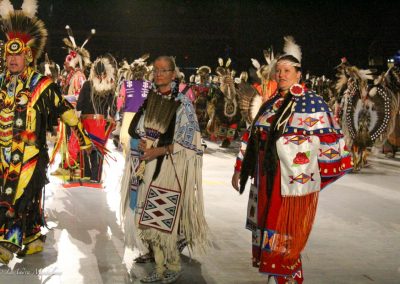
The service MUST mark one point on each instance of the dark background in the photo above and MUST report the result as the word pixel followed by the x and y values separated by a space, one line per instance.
pixel 198 32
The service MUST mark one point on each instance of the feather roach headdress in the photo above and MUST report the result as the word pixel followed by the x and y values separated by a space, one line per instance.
pixel 23 30
pixel 77 54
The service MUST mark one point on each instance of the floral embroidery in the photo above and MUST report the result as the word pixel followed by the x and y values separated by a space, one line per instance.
pixel 301 158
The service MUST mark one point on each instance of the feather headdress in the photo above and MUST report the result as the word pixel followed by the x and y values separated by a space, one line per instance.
pixel 223 71
pixel 139 68
pixel 23 30
pixel 77 54
pixel 292 48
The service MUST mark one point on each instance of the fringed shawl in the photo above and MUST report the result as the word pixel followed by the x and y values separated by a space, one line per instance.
pixel 185 165
pixel 304 140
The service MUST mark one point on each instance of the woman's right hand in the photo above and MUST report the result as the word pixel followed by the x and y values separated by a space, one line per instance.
pixel 142 146
pixel 235 180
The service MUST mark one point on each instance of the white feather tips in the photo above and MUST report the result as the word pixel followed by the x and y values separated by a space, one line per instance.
pixel 93 31
pixel 291 48
pixel 255 106
pixel 29 7
pixel 373 91
pixel 220 62
pixel 67 27
pixel 228 62
pixel 6 8
pixel 255 63
pixel 366 74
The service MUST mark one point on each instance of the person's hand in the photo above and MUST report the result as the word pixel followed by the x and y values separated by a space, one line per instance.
pixel 235 180
pixel 142 145
pixel 151 153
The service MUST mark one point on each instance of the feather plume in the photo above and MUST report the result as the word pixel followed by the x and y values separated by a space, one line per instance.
pixel 68 43
pixel 341 82
pixel 30 8
pixel 255 105
pixel 268 55
pixel 145 56
pixel 92 32
pixel 366 74
pixel 70 36
pixel 272 54
pixel 255 63
pixel 291 48
pixel 6 8
pixel 220 62
pixel 244 76
pixel 373 91
pixel 228 63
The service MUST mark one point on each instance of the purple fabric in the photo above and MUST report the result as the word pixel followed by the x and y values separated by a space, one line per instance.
pixel 136 92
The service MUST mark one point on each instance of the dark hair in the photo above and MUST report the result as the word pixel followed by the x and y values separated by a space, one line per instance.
pixel 169 59
pixel 290 58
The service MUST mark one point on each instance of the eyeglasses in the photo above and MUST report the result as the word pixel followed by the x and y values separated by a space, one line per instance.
pixel 161 71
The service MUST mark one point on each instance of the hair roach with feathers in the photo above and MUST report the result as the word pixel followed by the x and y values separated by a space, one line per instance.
pixel 78 54
pixel 24 25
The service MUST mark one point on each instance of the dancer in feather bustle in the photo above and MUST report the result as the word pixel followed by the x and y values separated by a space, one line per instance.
pixel 294 149
pixel 223 109
pixel 77 60
pixel 30 103
pixel 200 89
pixel 367 110
pixel 96 104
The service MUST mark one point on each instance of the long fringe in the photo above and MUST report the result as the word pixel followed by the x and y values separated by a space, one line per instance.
pixel 192 224
pixel 128 217
pixel 125 186
pixel 295 220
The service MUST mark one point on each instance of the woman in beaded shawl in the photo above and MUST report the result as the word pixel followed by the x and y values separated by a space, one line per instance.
pixel 293 150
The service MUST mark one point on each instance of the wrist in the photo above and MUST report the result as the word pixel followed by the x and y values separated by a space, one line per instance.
pixel 166 150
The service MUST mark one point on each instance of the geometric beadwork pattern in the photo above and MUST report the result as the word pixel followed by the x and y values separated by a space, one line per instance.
pixel 302 178
pixel 330 153
pixel 273 241
pixel 160 208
